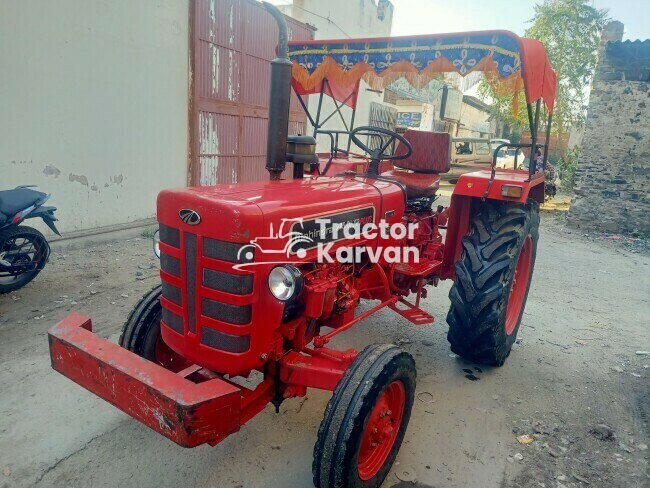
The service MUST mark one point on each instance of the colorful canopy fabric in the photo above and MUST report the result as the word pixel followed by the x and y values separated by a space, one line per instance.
pixel 509 62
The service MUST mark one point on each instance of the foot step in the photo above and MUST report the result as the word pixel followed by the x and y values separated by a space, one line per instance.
pixel 413 314
pixel 421 269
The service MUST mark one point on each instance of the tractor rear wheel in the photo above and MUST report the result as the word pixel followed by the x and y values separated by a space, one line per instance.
pixel 492 280
pixel 141 333
pixel 365 420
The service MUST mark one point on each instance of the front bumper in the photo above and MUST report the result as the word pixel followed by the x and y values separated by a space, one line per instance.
pixel 188 413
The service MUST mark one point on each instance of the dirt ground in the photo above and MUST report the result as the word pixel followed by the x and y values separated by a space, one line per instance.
pixel 575 366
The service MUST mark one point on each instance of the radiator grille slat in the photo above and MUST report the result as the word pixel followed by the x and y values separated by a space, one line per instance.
pixel 172 320
pixel 170 265
pixel 171 293
pixel 190 276
pixel 225 342
pixel 228 282
pixel 225 312
pixel 225 251
pixel 169 235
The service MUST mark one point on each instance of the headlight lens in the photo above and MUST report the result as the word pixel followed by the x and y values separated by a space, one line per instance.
pixel 156 243
pixel 285 282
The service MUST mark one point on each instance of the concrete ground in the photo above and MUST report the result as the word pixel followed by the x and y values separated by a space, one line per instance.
pixel 575 366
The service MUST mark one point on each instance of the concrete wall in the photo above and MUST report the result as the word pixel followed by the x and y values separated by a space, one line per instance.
pixel 94 104
pixel 613 178
pixel 342 19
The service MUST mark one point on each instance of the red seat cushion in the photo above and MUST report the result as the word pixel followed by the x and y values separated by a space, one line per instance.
pixel 418 185
pixel 431 152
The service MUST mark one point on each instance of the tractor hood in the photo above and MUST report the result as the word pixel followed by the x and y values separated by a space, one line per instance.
pixel 244 211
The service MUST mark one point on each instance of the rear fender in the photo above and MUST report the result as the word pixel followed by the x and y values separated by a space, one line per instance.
pixel 47 214
pixel 480 185
pixel 473 188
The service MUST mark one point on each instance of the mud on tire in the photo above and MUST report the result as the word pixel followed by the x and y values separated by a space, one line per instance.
pixel 480 328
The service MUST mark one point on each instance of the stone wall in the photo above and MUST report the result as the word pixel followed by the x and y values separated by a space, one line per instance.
pixel 613 178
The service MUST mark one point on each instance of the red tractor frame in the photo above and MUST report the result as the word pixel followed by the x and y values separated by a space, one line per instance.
pixel 221 314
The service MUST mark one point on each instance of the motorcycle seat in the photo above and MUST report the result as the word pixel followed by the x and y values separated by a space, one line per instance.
pixel 13 201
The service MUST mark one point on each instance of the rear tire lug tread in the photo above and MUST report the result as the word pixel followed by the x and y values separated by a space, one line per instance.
pixel 478 296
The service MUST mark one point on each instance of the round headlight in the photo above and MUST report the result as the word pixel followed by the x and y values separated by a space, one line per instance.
pixel 285 282
pixel 156 243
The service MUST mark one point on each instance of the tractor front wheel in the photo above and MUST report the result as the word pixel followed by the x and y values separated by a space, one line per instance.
pixel 492 280
pixel 365 420
pixel 141 333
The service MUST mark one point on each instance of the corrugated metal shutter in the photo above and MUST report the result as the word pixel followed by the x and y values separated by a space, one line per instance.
pixel 232 42
pixel 384 117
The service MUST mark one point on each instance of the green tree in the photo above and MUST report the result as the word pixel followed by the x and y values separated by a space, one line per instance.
pixel 570 31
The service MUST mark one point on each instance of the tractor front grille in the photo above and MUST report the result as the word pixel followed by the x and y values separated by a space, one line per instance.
pixel 203 297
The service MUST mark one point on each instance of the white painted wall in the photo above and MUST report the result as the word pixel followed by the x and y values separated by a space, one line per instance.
pixel 343 19
pixel 94 98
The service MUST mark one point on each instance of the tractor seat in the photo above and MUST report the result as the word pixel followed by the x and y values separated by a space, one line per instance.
pixel 420 172
pixel 418 185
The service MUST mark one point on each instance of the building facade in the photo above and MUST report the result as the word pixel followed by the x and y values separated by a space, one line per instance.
pixel 613 177
pixel 104 104
pixel 94 105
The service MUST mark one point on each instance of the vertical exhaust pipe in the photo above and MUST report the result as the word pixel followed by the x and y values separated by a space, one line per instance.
pixel 280 98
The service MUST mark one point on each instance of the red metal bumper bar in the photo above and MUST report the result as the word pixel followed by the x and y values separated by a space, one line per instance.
pixel 188 413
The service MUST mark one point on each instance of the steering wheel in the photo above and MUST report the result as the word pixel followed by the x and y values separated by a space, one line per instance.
pixel 376 155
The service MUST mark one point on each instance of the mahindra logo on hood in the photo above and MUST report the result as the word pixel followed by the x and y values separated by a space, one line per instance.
pixel 189 216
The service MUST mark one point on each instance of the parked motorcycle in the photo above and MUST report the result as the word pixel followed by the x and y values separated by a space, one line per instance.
pixel 23 250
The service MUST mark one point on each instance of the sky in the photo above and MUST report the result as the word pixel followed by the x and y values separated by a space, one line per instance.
pixel 412 17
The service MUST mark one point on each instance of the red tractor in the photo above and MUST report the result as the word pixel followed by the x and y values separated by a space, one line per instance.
pixel 221 314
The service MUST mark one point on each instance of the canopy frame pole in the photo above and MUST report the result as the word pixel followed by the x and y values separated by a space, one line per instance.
pixel 354 112
pixel 533 168
pixel 338 108
pixel 534 124
pixel 529 109
pixel 531 123
pixel 306 110
pixel 549 120
pixel 320 105
pixel 318 124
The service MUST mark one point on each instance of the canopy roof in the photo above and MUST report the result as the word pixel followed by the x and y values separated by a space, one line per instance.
pixel 509 62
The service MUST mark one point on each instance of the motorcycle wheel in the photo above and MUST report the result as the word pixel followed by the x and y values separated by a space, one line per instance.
pixel 21 246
